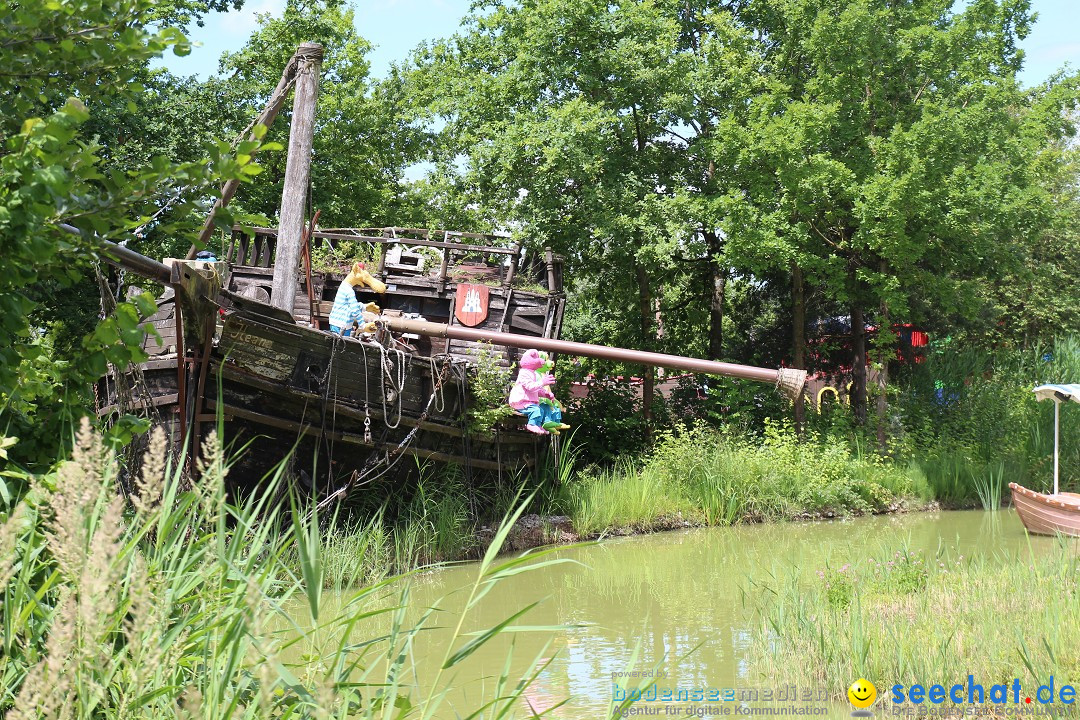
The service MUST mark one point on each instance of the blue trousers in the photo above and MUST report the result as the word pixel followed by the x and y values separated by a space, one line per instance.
pixel 337 331
pixel 539 414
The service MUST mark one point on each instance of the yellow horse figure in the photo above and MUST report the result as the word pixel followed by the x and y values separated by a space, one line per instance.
pixel 347 309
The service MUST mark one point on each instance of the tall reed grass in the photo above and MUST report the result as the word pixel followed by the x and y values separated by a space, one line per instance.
pixel 707 477
pixel 898 617
pixel 969 419
pixel 163 603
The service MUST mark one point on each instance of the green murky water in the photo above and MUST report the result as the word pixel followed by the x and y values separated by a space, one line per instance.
pixel 672 592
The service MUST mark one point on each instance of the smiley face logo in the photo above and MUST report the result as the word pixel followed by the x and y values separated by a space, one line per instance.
pixel 862 693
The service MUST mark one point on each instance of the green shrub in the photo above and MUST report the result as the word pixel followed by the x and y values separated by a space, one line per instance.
pixel 489 387
pixel 708 477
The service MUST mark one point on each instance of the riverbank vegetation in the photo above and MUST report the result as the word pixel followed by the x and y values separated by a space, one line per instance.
pixel 703 477
pixel 962 426
pixel 165 600
pixel 923 618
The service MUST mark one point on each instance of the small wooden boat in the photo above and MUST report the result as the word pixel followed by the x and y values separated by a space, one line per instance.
pixel 1058 513
pixel 1047 514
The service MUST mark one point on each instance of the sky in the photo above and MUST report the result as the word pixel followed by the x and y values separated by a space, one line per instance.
pixel 395 27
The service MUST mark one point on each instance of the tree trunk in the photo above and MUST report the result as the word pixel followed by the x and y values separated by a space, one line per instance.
pixel 886 347
pixel 798 340
pixel 882 387
pixel 716 288
pixel 645 309
pixel 858 363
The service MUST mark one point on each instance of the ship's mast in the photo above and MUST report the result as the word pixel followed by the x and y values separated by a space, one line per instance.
pixel 297 177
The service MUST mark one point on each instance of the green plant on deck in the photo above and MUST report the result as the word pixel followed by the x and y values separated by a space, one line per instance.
pixel 489 385
pixel 166 603
pixel 340 256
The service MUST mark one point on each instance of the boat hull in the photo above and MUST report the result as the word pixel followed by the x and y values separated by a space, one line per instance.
pixel 1047 514
pixel 278 386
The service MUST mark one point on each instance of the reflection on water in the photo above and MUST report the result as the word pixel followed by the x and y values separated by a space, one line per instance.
pixel 672 592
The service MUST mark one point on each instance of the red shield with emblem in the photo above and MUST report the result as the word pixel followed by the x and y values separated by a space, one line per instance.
pixel 471 306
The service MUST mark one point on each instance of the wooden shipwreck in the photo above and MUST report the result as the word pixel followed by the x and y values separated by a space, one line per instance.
pixel 244 339
pixel 363 404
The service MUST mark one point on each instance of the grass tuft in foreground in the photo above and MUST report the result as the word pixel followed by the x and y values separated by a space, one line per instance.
pixel 168 603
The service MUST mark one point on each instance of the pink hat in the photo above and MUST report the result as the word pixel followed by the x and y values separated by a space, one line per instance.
pixel 531 360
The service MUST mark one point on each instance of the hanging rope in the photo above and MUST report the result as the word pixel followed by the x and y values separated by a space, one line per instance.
pixel 367 474
pixel 336 348
pixel 388 370
pixel 466 442
pixel 440 404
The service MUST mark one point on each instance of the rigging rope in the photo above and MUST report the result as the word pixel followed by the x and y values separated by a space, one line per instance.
pixel 388 370
pixel 393 456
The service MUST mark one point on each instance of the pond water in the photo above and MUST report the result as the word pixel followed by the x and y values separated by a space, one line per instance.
pixel 671 592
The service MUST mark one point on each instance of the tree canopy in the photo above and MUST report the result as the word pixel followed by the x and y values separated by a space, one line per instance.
pixel 720 175
pixel 62 192
pixel 882 154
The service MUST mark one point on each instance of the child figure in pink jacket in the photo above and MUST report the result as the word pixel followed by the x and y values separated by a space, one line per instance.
pixel 526 396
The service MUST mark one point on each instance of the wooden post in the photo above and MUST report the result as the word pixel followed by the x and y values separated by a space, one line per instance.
pixel 513 266
pixel 297 175
pixel 798 340
pixel 266 119
pixel 549 260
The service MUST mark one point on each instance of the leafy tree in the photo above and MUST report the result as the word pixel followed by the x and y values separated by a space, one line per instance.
pixel 873 154
pixel 1032 302
pixel 63 62
pixel 563 114
pixel 180 13
pixel 888 158
pixel 361 144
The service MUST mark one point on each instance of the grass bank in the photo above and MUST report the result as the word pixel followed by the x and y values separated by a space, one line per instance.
pixel 704 477
pixel 904 618
pixel 691 478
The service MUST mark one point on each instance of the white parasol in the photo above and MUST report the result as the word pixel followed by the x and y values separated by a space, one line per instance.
pixel 1059 394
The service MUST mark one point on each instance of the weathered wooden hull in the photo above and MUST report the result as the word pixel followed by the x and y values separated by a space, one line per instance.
pixel 1047 514
pixel 225 350
pixel 354 406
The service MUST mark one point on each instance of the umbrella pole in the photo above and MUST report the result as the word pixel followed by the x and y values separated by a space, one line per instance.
pixel 1057 420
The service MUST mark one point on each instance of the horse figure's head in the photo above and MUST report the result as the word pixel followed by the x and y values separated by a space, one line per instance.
pixel 360 276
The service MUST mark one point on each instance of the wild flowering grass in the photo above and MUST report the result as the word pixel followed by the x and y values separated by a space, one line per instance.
pixel 904 618
pixel 706 477
pixel 163 603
